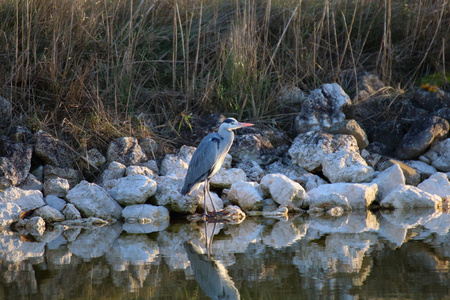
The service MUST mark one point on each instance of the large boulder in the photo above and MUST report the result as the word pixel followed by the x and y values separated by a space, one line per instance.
pixel 253 147
pixel 135 189
pixel 309 149
pixel 115 170
pixel 423 132
pixel 58 187
pixel 284 191
pixel 410 197
pixel 25 199
pixel 52 172
pixel 49 214
pixel 351 127
pixel 344 166
pixel 52 150
pixel 93 201
pixel 125 150
pixel 322 108
pixel 173 165
pixel 359 195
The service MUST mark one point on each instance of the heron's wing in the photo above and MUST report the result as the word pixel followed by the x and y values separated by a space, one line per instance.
pixel 203 161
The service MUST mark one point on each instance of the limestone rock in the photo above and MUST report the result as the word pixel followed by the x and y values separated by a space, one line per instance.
pixel 322 108
pixel 284 190
pixel 389 179
pixel 412 177
pixel 343 166
pixel 248 195
pixel 439 155
pixel 55 202
pixel 140 170
pixel 218 202
pixel 309 149
pixel 437 184
pixel 168 194
pixel 410 197
pixel 93 159
pixel 52 172
pixel 150 147
pixel 15 162
pixel 71 212
pixel 26 200
pixel 9 213
pixel 423 168
pixel 32 183
pixel 93 201
pixel 125 150
pixel 327 202
pixel 253 146
pixel 58 187
pixel 135 189
pixel 226 177
pixel 172 165
pixel 49 214
pixel 115 170
pixel 359 195
pixel 422 133
pixel 52 150
pixel 351 127
pixel 252 169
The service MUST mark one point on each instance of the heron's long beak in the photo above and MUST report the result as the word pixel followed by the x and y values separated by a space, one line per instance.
pixel 245 124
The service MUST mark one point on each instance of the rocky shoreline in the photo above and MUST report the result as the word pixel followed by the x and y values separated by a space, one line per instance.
pixel 340 160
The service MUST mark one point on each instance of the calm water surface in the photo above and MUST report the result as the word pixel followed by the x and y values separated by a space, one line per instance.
pixel 362 255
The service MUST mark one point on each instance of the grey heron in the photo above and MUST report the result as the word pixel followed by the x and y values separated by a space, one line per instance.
pixel 209 156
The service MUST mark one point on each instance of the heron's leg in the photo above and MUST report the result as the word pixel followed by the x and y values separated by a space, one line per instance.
pixel 204 198
pixel 209 194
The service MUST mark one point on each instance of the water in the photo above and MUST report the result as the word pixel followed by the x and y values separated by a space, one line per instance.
pixel 362 255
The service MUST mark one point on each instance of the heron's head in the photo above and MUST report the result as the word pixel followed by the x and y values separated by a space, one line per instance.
pixel 232 123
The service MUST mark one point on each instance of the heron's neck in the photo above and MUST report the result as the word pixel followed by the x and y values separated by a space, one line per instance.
pixel 226 134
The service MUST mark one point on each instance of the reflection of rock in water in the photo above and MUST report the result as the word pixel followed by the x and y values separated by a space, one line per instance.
pixel 212 276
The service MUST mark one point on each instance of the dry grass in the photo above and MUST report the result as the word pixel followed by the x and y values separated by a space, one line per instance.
pixel 85 70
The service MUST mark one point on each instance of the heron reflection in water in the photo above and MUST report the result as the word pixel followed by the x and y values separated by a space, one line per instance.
pixel 211 275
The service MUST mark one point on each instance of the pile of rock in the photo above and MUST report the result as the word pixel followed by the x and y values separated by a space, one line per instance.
pixel 328 168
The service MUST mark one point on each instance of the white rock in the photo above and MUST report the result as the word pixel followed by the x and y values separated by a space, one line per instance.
pixel 49 214
pixel 284 190
pixel 115 170
pixel 32 183
pixel 421 167
pixel 226 177
pixel 9 213
pixel 297 174
pixel 439 155
pixel 25 199
pixel 152 165
pixel 359 195
pixel 57 186
pixel 248 195
pixel 437 184
pixel 389 179
pixel 174 166
pixel 93 201
pixel 343 166
pixel 410 197
pixel 168 194
pixel 55 202
pixel 325 202
pixel 135 189
pixel 309 149
pixel 140 170
pixel 71 212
